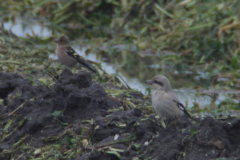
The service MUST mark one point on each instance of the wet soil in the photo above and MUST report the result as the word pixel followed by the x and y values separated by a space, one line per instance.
pixel 36 116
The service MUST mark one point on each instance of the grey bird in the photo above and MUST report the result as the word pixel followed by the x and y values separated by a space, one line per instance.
pixel 69 57
pixel 165 101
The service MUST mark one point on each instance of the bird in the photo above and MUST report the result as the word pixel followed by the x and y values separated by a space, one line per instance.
pixel 69 57
pixel 165 101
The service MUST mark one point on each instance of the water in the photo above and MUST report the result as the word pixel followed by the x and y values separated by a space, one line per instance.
pixel 186 96
pixel 109 68
pixel 21 29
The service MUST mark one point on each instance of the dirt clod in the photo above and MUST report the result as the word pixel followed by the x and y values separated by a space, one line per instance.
pixel 80 116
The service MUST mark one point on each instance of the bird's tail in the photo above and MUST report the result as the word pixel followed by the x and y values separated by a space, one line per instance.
pixel 82 62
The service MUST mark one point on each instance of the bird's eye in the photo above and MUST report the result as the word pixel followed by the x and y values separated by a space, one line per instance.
pixel 159 83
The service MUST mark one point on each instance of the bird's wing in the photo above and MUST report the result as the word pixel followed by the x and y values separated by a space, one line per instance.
pixel 163 104
pixel 71 52
pixel 182 108
pixel 168 100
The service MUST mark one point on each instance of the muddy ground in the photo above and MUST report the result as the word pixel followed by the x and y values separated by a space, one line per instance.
pixel 76 119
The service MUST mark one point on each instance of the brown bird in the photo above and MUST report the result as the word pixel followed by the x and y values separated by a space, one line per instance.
pixel 69 57
pixel 165 101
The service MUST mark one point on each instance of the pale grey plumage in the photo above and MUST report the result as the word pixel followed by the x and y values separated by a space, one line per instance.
pixel 164 99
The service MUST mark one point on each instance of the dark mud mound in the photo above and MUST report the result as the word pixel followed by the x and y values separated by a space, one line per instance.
pixel 211 139
pixel 76 119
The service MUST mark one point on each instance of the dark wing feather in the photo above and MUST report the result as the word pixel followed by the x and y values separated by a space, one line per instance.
pixel 71 52
pixel 182 108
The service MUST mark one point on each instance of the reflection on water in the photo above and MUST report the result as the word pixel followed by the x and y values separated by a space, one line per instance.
pixel 186 96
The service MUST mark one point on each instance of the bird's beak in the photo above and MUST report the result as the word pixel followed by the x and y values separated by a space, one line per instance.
pixel 148 82
pixel 56 41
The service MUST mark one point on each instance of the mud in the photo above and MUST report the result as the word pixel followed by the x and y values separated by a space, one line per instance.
pixel 35 117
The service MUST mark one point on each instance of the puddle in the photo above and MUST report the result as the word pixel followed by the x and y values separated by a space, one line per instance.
pixel 109 68
pixel 21 29
pixel 186 96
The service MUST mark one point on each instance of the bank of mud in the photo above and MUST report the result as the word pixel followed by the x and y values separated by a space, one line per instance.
pixel 76 119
